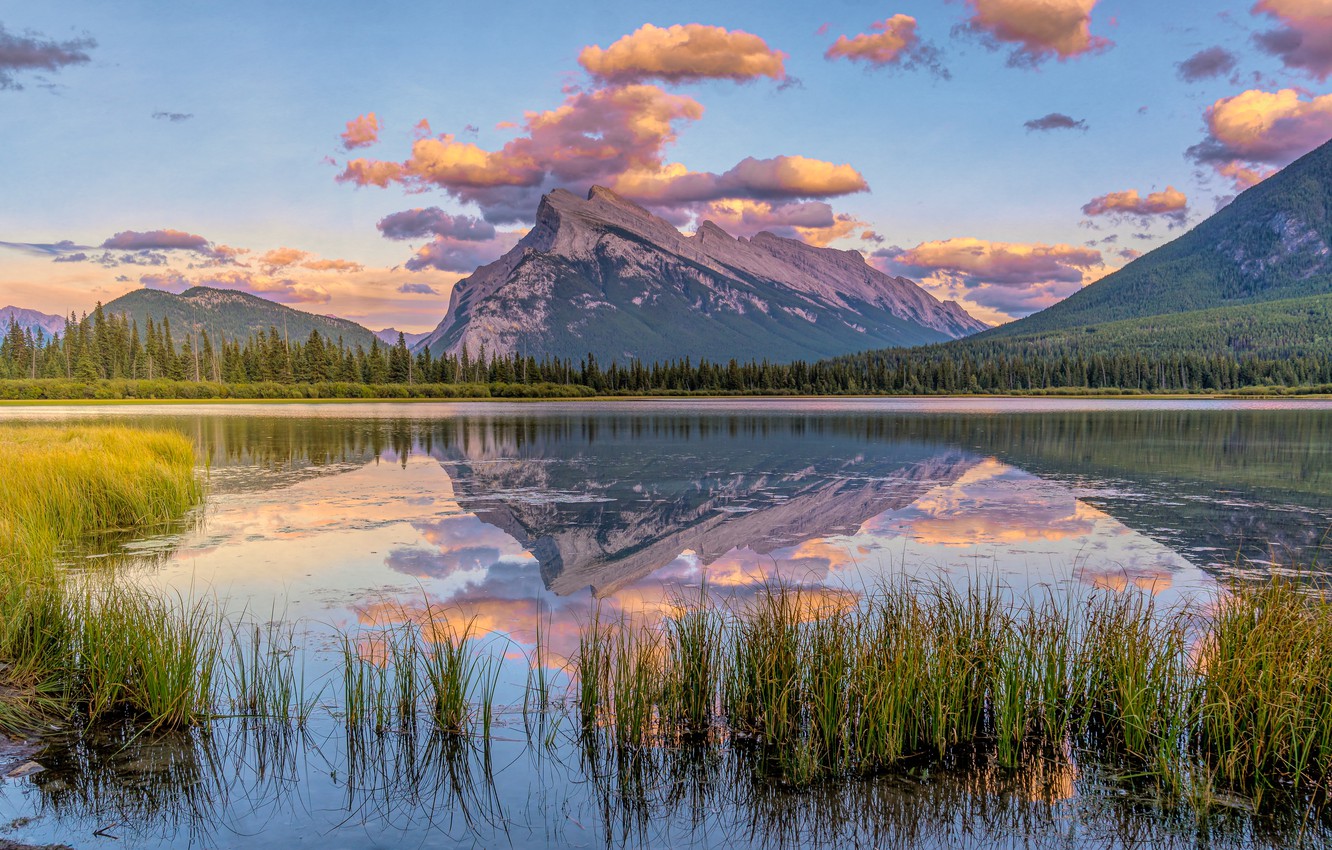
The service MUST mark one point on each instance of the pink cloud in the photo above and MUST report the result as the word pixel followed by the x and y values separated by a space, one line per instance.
pixel 1258 128
pixel 778 178
pixel 980 261
pixel 1170 203
pixel 891 43
pixel 361 132
pixel 683 53
pixel 1303 38
pixel 813 222
pixel 1038 30
pixel 157 240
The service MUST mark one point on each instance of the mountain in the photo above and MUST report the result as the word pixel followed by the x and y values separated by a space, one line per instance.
pixel 1273 243
pixel 605 276
pixel 389 336
pixel 234 314
pixel 31 320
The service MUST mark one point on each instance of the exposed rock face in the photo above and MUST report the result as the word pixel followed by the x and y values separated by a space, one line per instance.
pixel 31 320
pixel 605 276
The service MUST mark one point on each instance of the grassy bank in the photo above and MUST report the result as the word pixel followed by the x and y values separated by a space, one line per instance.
pixel 86 642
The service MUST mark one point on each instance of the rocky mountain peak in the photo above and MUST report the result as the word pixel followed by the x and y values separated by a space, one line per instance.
pixel 602 274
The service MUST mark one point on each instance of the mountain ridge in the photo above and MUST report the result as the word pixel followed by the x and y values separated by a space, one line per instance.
pixel 232 313
pixel 1273 242
pixel 602 275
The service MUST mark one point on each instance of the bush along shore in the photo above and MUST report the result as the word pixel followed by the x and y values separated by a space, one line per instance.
pixel 60 389
pixel 1230 695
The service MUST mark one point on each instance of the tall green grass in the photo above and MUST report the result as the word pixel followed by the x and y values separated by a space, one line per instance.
pixel 1235 694
pixel 86 641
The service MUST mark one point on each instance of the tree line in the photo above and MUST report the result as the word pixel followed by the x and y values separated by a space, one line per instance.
pixel 102 347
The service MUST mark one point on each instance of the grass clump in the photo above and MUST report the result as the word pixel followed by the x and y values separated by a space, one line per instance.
pixel 84 641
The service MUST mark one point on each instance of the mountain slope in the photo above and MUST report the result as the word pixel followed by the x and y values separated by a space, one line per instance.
pixel 1273 242
pixel 605 276
pixel 31 320
pixel 234 314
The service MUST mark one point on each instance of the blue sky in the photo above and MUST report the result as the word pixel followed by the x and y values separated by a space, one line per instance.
pixel 961 194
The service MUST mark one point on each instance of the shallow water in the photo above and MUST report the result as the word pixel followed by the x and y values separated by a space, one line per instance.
pixel 355 517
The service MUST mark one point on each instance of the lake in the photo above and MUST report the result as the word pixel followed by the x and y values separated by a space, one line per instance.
pixel 347 519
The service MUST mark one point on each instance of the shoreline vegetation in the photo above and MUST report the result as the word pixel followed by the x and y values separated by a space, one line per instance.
pixel 105 355
pixel 23 391
pixel 1199 699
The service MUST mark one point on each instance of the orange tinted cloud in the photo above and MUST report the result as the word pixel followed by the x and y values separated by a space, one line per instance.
pixel 995 281
pixel 615 137
pixel 891 43
pixel 781 177
pixel 1303 38
pixel 333 266
pixel 361 132
pixel 591 138
pixel 1170 203
pixel 684 53
pixel 1243 177
pixel 1257 128
pixel 280 257
pixel 1037 29
pixel 813 222
pixel 983 261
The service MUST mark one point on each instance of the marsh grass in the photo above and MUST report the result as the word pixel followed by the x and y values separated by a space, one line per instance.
pixel 86 641
pixel 1192 699
pixel 1264 699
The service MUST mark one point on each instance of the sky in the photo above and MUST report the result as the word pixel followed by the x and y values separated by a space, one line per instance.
pixel 359 160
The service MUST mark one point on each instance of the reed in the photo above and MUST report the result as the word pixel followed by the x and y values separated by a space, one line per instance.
pixel 635 680
pixel 693 648
pixel 452 670
pixel 1265 697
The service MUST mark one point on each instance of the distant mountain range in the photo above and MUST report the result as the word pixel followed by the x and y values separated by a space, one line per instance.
pixel 1256 277
pixel 389 336
pixel 31 320
pixel 602 275
pixel 233 314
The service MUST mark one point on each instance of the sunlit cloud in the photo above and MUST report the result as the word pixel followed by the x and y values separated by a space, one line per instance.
pixel 614 137
pixel 778 178
pixel 1255 132
pixel 813 222
pixel 683 53
pixel 1302 39
pixel 361 132
pixel 891 43
pixel 1037 30
pixel 994 281
pixel 1170 204
pixel 34 52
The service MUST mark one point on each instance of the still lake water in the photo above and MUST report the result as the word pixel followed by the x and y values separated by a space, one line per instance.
pixel 347 518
